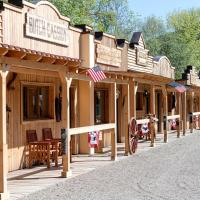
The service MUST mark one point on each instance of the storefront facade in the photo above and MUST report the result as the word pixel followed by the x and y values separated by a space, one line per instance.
pixel 44 83
pixel 38 48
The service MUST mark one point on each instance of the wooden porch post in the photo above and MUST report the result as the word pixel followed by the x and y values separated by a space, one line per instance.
pixel 3 141
pixel 178 111
pixel 66 82
pixel 86 114
pixel 126 116
pixel 114 118
pixel 191 111
pixel 132 95
pixel 184 114
pixel 198 111
pixel 152 111
pixel 165 111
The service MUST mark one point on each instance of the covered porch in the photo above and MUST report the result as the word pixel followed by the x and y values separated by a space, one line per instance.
pixel 30 83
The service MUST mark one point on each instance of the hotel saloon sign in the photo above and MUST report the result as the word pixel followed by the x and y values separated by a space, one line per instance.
pixel 40 28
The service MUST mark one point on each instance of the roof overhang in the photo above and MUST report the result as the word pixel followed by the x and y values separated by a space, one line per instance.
pixel 17 56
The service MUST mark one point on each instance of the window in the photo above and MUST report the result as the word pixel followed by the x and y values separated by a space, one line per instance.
pixel 171 102
pixel 139 101
pixel 36 102
pixel 101 106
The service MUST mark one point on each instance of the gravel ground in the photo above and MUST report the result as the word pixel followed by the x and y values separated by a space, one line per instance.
pixel 168 172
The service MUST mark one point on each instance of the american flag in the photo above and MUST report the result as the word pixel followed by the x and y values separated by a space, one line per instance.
pixel 96 74
pixel 179 87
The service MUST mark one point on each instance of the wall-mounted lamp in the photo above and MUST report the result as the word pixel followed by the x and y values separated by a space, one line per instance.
pixel 145 93
pixel 117 94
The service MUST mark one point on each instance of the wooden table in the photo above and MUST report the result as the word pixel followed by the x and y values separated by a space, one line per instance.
pixel 43 152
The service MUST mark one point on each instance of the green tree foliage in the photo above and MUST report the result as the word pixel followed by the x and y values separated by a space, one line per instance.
pixel 111 16
pixel 153 28
pixel 178 39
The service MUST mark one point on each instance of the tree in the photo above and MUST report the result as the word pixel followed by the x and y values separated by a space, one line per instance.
pixel 179 40
pixel 153 28
pixel 111 16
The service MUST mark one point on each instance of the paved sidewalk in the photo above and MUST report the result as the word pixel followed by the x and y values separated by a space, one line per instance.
pixel 24 182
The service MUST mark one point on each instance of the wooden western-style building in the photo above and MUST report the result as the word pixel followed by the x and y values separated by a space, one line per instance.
pixel 38 48
pixel 44 84
pixel 191 79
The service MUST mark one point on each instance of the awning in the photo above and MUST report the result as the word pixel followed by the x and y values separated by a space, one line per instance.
pixel 38 56
pixel 178 87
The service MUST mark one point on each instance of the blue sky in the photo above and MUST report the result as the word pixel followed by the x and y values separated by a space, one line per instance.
pixel 161 8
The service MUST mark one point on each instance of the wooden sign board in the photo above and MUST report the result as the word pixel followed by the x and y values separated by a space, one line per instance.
pixel 142 56
pixel 193 78
pixel 40 28
pixel 108 56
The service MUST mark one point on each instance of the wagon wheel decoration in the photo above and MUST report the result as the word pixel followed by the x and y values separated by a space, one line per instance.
pixel 133 135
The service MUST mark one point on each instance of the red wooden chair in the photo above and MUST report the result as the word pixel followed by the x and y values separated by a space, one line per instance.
pixel 55 142
pixel 38 151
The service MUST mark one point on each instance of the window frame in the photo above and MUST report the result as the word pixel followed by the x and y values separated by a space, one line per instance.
pixel 51 98
pixel 106 106
pixel 140 102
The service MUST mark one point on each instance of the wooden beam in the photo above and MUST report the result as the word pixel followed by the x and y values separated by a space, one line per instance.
pixel 22 70
pixel 184 109
pixel 86 129
pixel 178 111
pixel 149 82
pixel 132 95
pixel 49 60
pixel 3 140
pixel 87 78
pixel 165 111
pixel 33 57
pixel 3 51
pixel 16 54
pixel 126 118
pixel 66 122
pixel 31 64
pixel 152 100
pixel 113 103
pixel 191 110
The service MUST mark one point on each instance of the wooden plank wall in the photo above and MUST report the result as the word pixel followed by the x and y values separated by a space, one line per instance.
pixel 16 128
pixel 132 63
pixel 14 21
pixel 110 41
pixel 1 28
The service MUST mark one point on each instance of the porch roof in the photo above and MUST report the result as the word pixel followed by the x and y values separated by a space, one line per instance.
pixel 141 77
pixel 37 56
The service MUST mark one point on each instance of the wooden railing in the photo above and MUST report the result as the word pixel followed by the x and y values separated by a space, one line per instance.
pixel 101 127
pixel 166 121
pixel 194 120
pixel 86 129
pixel 152 130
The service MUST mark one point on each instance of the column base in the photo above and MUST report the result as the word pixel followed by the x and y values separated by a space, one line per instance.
pixel 4 196
pixel 91 151
pixel 113 158
pixel 152 145
pixel 126 154
pixel 66 174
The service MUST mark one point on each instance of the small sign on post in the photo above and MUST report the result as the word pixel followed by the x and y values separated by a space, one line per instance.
pixel 93 139
pixel 64 141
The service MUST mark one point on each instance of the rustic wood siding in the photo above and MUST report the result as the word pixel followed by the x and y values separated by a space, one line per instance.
pixel 132 63
pixel 14 22
pixel 16 127
pixel 111 43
